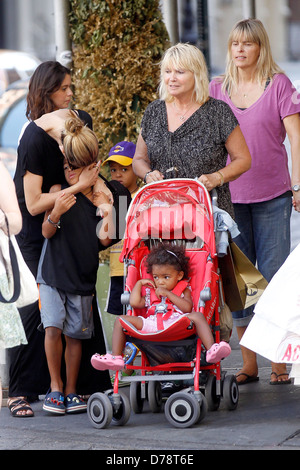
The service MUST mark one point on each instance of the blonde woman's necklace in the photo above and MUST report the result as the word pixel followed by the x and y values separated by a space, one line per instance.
pixel 182 116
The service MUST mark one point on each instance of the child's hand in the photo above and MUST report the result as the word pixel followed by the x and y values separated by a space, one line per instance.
pixel 89 175
pixel 103 202
pixel 100 187
pixel 146 282
pixel 162 292
pixel 101 197
pixel 104 209
pixel 63 203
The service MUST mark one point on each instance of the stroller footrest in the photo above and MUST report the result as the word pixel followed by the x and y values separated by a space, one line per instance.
pixel 157 378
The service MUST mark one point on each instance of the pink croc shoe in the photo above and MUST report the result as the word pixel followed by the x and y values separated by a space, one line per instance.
pixel 107 361
pixel 217 352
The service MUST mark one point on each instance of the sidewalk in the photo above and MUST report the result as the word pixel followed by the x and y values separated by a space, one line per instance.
pixel 267 418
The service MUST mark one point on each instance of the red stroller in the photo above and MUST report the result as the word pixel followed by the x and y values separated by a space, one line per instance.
pixel 178 211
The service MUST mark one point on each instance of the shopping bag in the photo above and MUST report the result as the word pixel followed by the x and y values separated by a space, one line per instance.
pixel 274 331
pixel 29 292
pixel 243 283
pixel 21 285
pixel 271 341
pixel 10 285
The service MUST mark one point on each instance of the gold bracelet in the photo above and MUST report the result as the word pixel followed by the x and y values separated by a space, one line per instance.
pixel 222 178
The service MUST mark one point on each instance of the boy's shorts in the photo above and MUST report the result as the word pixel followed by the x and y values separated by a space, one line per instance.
pixel 71 313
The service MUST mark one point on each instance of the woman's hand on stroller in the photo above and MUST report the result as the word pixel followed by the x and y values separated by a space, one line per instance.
pixel 212 180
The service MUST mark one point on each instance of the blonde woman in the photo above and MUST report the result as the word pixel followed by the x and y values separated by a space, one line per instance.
pixel 267 107
pixel 185 133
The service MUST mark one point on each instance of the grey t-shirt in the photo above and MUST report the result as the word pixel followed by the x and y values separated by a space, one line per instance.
pixel 197 147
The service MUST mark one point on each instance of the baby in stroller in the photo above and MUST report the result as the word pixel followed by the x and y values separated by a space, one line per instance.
pixel 167 296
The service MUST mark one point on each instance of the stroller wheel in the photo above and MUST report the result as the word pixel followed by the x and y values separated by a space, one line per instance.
pixel 136 399
pixel 182 410
pixel 203 408
pixel 121 416
pixel 99 410
pixel 213 400
pixel 230 392
pixel 154 396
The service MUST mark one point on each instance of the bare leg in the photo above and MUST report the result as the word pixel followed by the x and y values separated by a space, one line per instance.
pixel 119 337
pixel 249 359
pixel 215 352
pixel 115 361
pixel 73 358
pixel 203 329
pixel 54 349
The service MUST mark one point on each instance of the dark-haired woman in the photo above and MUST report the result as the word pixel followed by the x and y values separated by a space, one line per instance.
pixel 39 167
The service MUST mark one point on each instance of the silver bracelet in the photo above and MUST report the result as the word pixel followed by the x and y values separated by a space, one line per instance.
pixel 55 224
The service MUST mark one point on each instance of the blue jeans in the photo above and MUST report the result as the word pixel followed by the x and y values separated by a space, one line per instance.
pixel 265 239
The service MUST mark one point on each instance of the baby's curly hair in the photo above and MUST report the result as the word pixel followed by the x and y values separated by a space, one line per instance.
pixel 166 253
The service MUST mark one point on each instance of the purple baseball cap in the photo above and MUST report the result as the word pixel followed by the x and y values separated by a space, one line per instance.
pixel 121 153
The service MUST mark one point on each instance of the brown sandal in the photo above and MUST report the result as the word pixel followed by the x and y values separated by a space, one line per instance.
pixel 15 405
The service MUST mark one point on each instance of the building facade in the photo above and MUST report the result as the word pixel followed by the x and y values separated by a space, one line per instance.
pixel 29 25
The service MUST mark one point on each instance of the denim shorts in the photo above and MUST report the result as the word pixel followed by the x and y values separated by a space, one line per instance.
pixel 70 313
pixel 265 239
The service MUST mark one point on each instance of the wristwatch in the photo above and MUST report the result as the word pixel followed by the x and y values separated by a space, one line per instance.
pixel 296 187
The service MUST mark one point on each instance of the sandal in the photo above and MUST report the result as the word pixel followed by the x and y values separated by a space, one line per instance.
pixel 54 403
pixel 19 404
pixel 74 403
pixel 280 382
pixel 107 361
pixel 248 378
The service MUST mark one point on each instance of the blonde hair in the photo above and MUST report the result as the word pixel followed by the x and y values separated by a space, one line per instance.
pixel 251 30
pixel 186 57
pixel 80 143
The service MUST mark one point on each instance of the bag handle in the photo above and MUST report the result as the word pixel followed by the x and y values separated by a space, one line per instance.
pixel 15 270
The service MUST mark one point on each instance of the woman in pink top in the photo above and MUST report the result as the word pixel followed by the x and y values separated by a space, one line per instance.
pixel 267 107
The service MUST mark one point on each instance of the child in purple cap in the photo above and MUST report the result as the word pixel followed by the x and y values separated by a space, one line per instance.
pixel 120 164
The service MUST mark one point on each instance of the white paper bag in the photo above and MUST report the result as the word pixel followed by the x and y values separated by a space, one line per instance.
pixel 274 331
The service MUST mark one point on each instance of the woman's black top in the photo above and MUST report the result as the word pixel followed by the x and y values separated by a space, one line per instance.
pixel 40 154
pixel 197 147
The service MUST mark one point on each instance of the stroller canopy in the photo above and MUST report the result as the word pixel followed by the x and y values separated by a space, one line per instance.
pixel 170 209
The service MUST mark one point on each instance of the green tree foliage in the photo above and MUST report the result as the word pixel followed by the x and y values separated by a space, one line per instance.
pixel 117 46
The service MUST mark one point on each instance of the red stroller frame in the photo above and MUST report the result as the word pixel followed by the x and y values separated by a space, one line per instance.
pixel 179 211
